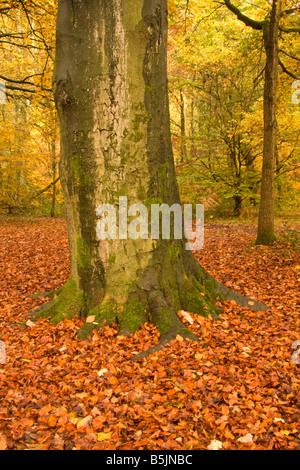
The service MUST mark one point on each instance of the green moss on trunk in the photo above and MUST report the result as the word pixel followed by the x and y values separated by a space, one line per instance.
pixel 265 238
pixel 69 303
pixel 83 253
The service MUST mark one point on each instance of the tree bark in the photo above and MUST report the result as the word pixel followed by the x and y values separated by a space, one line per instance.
pixel 183 149
pixel 265 232
pixel 111 92
pixel 237 205
pixel 54 167
pixel 269 27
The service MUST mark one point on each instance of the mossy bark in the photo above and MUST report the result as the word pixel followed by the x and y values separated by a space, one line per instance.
pixel 111 93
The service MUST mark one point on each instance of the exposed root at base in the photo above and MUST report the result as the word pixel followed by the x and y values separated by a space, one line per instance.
pixel 45 295
pixel 156 299
pixel 42 308
pixel 164 340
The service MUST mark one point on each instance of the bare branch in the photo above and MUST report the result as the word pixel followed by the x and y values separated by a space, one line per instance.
pixel 290 11
pixel 289 55
pixel 286 70
pixel 45 189
pixel 289 30
pixel 24 81
pixel 245 19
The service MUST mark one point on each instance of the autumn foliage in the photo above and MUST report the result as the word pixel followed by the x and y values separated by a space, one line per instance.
pixel 238 388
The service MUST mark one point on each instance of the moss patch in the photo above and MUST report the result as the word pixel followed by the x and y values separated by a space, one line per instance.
pixel 165 321
pixel 133 316
pixel 174 251
pixel 83 253
pixel 130 318
pixel 105 314
pixel 80 175
pixel 196 299
pixel 69 302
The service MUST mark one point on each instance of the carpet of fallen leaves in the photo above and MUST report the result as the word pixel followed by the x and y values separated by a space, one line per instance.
pixel 236 389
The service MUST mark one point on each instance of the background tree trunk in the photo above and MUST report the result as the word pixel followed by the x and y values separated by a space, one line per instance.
pixel 54 176
pixel 183 148
pixel 111 93
pixel 265 232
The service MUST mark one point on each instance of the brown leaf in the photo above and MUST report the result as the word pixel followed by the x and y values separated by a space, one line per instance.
pixel 3 442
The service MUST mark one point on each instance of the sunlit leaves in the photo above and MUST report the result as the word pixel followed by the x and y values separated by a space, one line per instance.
pixel 28 124
pixel 217 64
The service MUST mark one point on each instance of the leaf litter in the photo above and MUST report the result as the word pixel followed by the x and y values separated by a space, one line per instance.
pixel 236 389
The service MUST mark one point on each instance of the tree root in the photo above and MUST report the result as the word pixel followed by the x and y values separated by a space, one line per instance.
pixel 227 294
pixel 66 302
pixel 165 339
pixel 156 298
pixel 39 310
pixel 45 295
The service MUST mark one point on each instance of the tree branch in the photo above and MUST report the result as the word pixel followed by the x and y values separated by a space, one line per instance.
pixel 17 88
pixel 289 30
pixel 290 11
pixel 22 82
pixel 46 189
pixel 289 55
pixel 286 70
pixel 245 19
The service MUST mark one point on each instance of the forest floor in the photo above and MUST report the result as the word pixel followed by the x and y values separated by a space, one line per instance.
pixel 236 389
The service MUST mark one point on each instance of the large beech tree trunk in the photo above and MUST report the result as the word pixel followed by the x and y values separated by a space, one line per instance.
pixel 111 93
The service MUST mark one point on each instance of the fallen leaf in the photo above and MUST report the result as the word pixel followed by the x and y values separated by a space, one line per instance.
pixel 84 421
pixel 103 436
pixel 52 421
pixel 90 318
pixel 73 417
pixel 98 422
pixel 245 439
pixel 228 434
pixel 102 372
pixel 215 445
pixel 3 442
pixel 187 317
pixel 276 420
pixel 179 338
pixel 81 395
pixel 198 356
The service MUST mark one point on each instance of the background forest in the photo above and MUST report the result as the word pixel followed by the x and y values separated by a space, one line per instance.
pixel 216 80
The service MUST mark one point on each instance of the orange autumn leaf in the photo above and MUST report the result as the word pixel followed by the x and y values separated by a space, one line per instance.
pixel 52 420
pixel 3 442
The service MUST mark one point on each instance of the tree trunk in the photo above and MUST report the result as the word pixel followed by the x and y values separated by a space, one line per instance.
pixel 54 165
pixel 265 232
pixel 192 129
pixel 250 171
pixel 278 178
pixel 237 204
pixel 183 150
pixel 112 97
